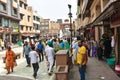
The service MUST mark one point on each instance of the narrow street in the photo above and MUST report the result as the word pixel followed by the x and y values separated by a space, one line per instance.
pixel 95 70
pixel 23 72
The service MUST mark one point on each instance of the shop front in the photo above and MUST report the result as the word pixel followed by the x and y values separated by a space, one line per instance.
pixel 15 36
pixel 115 23
pixel 30 35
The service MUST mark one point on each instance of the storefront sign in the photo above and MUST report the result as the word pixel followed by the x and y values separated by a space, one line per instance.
pixel 15 30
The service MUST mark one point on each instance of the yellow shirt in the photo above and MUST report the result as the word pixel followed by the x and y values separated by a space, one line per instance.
pixel 81 52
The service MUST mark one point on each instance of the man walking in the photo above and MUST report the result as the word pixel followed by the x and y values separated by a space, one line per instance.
pixel 34 60
pixel 26 50
pixel 49 52
pixel 40 48
pixel 81 59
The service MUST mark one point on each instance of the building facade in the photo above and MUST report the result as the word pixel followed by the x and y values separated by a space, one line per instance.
pixel 66 29
pixel 36 24
pixel 44 27
pixel 54 28
pixel 101 17
pixel 26 23
pixel 9 20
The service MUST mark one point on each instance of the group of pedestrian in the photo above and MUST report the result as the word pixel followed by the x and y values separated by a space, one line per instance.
pixel 84 48
pixel 3 44
pixel 36 51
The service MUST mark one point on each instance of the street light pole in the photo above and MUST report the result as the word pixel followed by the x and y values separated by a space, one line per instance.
pixel 70 16
pixel 74 27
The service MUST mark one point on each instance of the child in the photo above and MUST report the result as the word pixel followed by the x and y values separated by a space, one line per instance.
pixel 34 60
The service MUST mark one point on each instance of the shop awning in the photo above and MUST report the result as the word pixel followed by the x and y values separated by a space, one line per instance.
pixel 30 35
pixel 107 12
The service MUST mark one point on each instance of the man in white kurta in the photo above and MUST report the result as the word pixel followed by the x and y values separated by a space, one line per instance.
pixel 49 52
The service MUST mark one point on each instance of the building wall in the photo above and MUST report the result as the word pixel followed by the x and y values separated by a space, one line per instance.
pixel 44 27
pixel 27 20
pixel 36 22
pixel 97 7
pixel 54 28
pixel 9 15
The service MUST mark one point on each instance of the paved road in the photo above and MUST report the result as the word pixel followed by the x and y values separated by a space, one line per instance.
pixel 96 70
pixel 22 72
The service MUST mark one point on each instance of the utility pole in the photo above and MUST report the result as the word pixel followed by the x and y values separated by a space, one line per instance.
pixel 70 16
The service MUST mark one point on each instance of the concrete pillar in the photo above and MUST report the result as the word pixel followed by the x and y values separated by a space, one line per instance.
pixel 96 34
pixel 101 1
pixel 103 30
pixel 116 43
pixel 10 38
pixel 2 21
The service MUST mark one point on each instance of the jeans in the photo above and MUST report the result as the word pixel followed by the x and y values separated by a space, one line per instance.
pixel 35 68
pixel 27 59
pixel 41 55
pixel 82 72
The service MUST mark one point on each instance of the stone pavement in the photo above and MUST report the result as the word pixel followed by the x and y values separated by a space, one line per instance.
pixel 24 73
pixel 96 70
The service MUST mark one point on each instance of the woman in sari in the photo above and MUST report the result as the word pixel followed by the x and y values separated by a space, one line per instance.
pixel 10 60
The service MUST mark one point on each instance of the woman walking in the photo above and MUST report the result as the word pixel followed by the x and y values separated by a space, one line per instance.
pixel 10 60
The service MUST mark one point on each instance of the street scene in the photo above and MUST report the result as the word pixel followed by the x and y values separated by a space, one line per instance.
pixel 60 40
pixel 21 71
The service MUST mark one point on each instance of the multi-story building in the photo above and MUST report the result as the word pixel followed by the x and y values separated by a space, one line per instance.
pixel 65 28
pixel 44 27
pixel 36 24
pixel 101 17
pixel 59 21
pixel 54 28
pixel 9 20
pixel 26 23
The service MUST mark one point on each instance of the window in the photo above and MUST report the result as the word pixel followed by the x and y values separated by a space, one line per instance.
pixel 37 27
pixel 46 22
pixel 22 28
pixel 28 18
pixel 15 11
pixel 34 17
pixel 37 19
pixel 20 4
pixel 15 0
pixel 42 23
pixel 21 16
pixel 2 7
pixel 26 28
pixel 25 6
pixel 0 22
pixel 30 28
pixel 6 23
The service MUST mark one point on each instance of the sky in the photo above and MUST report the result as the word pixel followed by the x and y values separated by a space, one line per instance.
pixel 54 9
